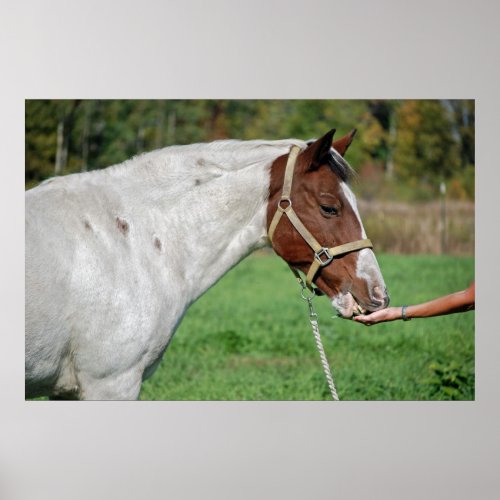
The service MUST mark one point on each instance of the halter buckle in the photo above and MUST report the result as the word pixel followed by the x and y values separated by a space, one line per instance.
pixel 323 257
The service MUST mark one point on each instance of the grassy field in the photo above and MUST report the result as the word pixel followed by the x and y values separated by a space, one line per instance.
pixel 248 338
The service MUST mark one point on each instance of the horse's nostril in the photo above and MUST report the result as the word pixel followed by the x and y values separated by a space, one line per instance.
pixel 387 299
pixel 376 304
pixel 380 296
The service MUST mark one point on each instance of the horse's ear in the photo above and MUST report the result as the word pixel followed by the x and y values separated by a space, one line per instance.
pixel 343 143
pixel 316 151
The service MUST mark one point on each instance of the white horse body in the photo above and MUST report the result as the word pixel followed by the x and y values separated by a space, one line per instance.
pixel 114 258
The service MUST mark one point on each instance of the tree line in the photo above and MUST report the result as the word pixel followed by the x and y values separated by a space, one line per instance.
pixel 404 149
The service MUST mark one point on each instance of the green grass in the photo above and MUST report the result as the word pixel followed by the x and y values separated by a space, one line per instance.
pixel 249 338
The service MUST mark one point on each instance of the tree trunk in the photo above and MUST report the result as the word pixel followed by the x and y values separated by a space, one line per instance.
pixel 160 120
pixel 218 121
pixel 59 148
pixel 63 133
pixel 85 136
pixel 389 167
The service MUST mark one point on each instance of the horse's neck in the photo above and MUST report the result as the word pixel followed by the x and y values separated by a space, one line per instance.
pixel 221 222
pixel 207 219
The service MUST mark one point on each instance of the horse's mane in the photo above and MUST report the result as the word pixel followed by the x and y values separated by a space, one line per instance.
pixel 340 166
pixel 235 154
pixel 227 155
pixel 216 157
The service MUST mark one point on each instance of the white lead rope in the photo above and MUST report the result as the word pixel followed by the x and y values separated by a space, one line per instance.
pixel 313 319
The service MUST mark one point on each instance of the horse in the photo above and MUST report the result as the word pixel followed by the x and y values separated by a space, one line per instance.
pixel 115 257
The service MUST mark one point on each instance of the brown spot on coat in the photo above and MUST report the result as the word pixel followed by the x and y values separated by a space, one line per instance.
pixel 122 226
pixel 157 243
pixel 87 225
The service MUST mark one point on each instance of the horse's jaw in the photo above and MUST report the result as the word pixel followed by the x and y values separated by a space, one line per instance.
pixel 346 305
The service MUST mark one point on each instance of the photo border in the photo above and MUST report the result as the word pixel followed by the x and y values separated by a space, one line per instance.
pixel 318 49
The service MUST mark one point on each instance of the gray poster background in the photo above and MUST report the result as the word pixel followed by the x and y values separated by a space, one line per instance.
pixel 254 49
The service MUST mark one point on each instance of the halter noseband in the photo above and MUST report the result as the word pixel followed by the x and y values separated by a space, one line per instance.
pixel 322 255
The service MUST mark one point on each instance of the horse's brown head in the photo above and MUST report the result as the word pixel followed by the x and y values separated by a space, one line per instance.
pixel 324 217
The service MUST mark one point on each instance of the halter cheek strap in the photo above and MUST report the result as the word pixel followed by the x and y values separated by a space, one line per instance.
pixel 323 256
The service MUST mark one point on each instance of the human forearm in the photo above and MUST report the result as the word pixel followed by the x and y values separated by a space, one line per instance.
pixel 453 303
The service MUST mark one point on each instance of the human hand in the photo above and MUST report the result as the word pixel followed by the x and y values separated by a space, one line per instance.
pixel 388 314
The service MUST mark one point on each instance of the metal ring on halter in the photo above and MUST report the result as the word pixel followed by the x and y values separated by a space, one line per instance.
pixel 324 251
pixel 288 200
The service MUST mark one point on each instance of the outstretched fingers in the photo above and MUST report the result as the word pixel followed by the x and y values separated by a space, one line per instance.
pixel 388 314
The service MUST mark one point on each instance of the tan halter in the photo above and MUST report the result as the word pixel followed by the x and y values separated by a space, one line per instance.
pixel 322 255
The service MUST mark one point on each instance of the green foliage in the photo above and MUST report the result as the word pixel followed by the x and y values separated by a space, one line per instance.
pixel 249 338
pixel 426 148
pixel 462 182
pixel 450 380
pixel 40 139
pixel 421 142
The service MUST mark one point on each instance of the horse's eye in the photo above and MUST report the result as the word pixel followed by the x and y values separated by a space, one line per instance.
pixel 331 211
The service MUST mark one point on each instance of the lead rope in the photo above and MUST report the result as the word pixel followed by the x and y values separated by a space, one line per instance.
pixel 313 319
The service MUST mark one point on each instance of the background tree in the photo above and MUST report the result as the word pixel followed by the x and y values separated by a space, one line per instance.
pixel 403 149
